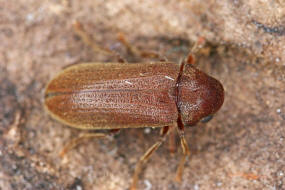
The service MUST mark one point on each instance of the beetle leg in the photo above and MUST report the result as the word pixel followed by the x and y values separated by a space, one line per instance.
pixel 153 54
pixel 186 153
pixel 120 59
pixel 89 41
pixel 138 53
pixel 146 156
pixel 197 45
pixel 190 59
pixel 132 49
pixel 172 141
pixel 74 142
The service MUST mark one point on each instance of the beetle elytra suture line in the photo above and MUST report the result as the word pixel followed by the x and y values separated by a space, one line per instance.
pixel 116 96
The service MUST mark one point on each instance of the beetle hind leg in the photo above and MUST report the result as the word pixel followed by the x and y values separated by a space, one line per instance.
pixel 89 41
pixel 146 156
pixel 76 141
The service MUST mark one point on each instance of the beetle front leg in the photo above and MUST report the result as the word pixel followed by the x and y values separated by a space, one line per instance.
pixel 186 153
pixel 147 154
pixel 76 141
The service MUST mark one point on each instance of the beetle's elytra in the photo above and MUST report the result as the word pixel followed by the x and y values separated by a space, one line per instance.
pixel 126 95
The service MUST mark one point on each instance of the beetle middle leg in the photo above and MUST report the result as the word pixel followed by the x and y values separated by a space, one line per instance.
pixel 139 53
pixel 147 154
pixel 172 141
pixel 76 141
pixel 185 150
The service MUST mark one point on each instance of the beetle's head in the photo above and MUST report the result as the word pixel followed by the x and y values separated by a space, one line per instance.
pixel 200 96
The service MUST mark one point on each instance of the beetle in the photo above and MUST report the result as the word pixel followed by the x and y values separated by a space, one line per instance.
pixel 113 96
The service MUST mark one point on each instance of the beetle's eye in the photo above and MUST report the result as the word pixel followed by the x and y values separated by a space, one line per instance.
pixel 206 119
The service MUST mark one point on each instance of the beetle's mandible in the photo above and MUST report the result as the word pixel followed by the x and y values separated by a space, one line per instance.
pixel 134 95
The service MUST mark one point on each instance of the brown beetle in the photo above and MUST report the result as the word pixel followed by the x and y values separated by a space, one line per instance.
pixel 113 96
pixel 124 95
